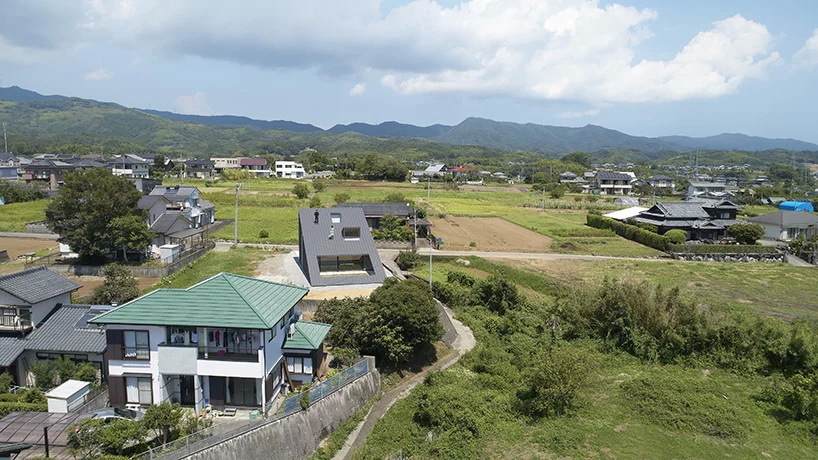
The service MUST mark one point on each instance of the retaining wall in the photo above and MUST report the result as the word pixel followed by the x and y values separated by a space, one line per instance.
pixel 297 436
pixel 729 257
pixel 406 245
pixel 37 227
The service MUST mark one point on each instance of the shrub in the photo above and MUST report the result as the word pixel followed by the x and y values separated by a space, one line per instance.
pixel 721 249
pixel 746 233
pixel 319 186
pixel 498 294
pixel 676 236
pixel 630 232
pixel 395 197
pixel 463 279
pixel 119 286
pixel 556 380
pixel 44 372
pixel 472 244
pixel 9 397
pixel 301 191
pixel 407 260
pixel 32 396
pixel 263 234
pixel 315 202
pixel 9 407
pixel 6 380
pixel 341 198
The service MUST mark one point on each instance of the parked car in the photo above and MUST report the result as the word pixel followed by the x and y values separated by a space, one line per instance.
pixel 114 413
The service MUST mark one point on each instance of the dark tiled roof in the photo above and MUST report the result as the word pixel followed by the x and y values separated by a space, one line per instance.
pixel 314 241
pixel 200 163
pixel 36 284
pixel 59 332
pixel 206 204
pixel 175 193
pixel 252 162
pixel 381 209
pixel 10 349
pixel 659 177
pixel 166 221
pixel 684 210
pixel 606 175
pixel 148 201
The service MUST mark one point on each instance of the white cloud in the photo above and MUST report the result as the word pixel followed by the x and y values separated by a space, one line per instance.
pixel 358 89
pixel 195 104
pixel 807 56
pixel 579 114
pixel 100 74
pixel 577 50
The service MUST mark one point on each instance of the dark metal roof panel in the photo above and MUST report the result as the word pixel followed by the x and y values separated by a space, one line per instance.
pixel 59 332
pixel 36 284
pixel 10 349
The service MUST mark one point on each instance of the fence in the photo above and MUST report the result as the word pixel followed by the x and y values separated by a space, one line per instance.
pixel 93 400
pixel 220 432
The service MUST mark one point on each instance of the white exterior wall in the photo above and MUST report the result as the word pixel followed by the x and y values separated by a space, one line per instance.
pixel 294 171
pixel 120 367
pixel 38 310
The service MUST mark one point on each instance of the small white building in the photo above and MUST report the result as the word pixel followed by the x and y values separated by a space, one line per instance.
pixel 68 396
pixel 290 170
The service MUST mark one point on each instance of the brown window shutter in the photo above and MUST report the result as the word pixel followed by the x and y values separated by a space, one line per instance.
pixel 116 391
pixel 115 341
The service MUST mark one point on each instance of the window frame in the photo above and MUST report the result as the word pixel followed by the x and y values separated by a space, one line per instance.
pixel 136 355
pixel 139 392
pixel 297 365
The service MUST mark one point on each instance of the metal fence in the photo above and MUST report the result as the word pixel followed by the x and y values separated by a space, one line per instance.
pixel 220 432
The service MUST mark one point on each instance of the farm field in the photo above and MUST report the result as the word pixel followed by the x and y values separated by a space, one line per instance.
pixel 14 216
pixel 19 246
pixel 492 233
pixel 767 288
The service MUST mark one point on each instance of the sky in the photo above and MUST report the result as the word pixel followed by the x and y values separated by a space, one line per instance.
pixel 644 67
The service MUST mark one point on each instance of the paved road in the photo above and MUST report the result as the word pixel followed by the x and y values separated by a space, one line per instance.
pixel 39 236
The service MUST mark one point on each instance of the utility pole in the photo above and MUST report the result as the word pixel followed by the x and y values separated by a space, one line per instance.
pixel 542 204
pixel 415 236
pixel 430 261
pixel 236 221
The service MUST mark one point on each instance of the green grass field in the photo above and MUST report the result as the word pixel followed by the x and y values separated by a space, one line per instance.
pixel 240 261
pixel 15 216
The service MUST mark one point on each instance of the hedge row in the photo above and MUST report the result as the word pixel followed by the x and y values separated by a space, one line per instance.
pixel 721 249
pixel 9 407
pixel 630 232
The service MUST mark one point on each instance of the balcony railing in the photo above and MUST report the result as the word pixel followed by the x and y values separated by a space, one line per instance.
pixel 138 353
pixel 249 354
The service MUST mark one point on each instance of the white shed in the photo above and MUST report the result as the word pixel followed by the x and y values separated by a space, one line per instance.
pixel 67 396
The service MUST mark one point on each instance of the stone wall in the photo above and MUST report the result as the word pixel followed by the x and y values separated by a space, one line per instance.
pixel 297 436
pixel 381 244
pixel 37 227
pixel 776 257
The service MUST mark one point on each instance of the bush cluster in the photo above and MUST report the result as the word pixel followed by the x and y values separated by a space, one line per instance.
pixel 407 260
pixel 630 232
pixel 9 407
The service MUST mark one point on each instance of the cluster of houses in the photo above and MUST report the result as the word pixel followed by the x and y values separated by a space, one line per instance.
pixel 466 174
pixel 51 169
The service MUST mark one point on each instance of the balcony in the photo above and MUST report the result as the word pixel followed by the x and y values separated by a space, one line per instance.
pixel 177 359
pixel 15 320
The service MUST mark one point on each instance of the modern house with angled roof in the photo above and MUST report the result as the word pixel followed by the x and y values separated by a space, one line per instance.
pixel 375 211
pixel 336 247
pixel 28 296
pixel 227 341
pixel 786 225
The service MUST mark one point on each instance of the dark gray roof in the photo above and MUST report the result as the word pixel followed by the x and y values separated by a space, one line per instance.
pixel 314 242
pixel 10 349
pixel 787 219
pixel 199 163
pixel 713 202
pixel 660 177
pixel 607 175
pixel 683 210
pixel 60 332
pixel 204 204
pixel 127 160
pixel 174 193
pixel 381 209
pixel 36 284
pixel 147 201
pixel 166 221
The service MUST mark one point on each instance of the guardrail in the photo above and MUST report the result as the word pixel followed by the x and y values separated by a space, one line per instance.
pixel 216 434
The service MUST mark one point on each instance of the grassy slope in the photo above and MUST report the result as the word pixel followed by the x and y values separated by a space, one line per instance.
pixel 240 261
pixel 610 422
pixel 13 217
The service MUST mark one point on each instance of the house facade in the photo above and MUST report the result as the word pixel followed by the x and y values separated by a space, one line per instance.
pixel 290 170
pixel 613 183
pixel 130 166
pixel 177 216
pixel 699 220
pixel 199 169
pixel 662 183
pixel 336 247
pixel 28 296
pixel 707 190
pixel 227 341
pixel 52 172
pixel 787 225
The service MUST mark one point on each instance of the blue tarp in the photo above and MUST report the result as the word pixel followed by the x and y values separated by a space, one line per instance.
pixel 796 206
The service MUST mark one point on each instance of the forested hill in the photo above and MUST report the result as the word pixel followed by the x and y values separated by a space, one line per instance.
pixel 38 123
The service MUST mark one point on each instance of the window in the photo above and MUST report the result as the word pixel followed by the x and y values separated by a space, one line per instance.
pixel 343 263
pixel 335 218
pixel 139 390
pixel 299 365
pixel 15 317
pixel 351 233
pixel 273 333
pixel 290 313
pixel 725 215
pixel 136 345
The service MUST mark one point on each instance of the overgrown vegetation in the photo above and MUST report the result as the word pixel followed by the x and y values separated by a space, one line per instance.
pixel 119 286
pixel 630 232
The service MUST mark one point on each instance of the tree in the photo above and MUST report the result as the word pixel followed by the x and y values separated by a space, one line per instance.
pixel 580 158
pixel 119 286
pixel 157 169
pixel 746 233
pixel 319 186
pixel 301 191
pixel 557 192
pixel 407 260
pixel 131 234
pixel 163 419
pixel 556 379
pixel 315 202
pixel 44 372
pixel 498 294
pixel 94 437
pixel 397 319
pixel 395 197
pixel 676 236
pixel 236 174
pixel 86 211
pixel 341 198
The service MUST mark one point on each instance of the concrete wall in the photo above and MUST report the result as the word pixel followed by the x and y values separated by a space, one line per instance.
pixel 381 244
pixel 37 227
pixel 297 436
pixel 729 257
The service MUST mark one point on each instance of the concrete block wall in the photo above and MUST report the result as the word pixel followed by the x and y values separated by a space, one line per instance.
pixel 297 436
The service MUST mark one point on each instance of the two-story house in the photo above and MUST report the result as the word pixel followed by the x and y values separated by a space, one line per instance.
pixel 27 296
pixel 257 166
pixel 699 189
pixel 613 183
pixel 130 166
pixel 289 170
pixel 176 215
pixel 52 172
pixel 662 183
pixel 199 168
pixel 227 341
pixel 336 247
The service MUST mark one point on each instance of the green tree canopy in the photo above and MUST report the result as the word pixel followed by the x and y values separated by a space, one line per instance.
pixel 581 158
pixel 88 213
pixel 746 233
pixel 301 191
pixel 119 286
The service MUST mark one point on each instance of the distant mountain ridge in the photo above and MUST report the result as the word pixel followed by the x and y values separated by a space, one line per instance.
pixel 508 136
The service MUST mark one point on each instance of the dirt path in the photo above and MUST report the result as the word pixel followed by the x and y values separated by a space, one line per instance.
pixel 464 342
pixel 488 234
pixel 18 246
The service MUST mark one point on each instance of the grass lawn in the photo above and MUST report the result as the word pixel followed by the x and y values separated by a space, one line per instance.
pixel 767 288
pixel 15 216
pixel 240 261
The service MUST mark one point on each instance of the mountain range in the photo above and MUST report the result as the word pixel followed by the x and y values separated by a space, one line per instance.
pixel 507 136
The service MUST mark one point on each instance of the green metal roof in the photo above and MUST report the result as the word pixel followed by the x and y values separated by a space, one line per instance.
pixel 225 300
pixel 307 335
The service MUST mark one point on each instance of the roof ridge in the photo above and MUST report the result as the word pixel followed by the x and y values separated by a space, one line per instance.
pixel 265 281
pixel 226 278
pixel 129 302
pixel 23 272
